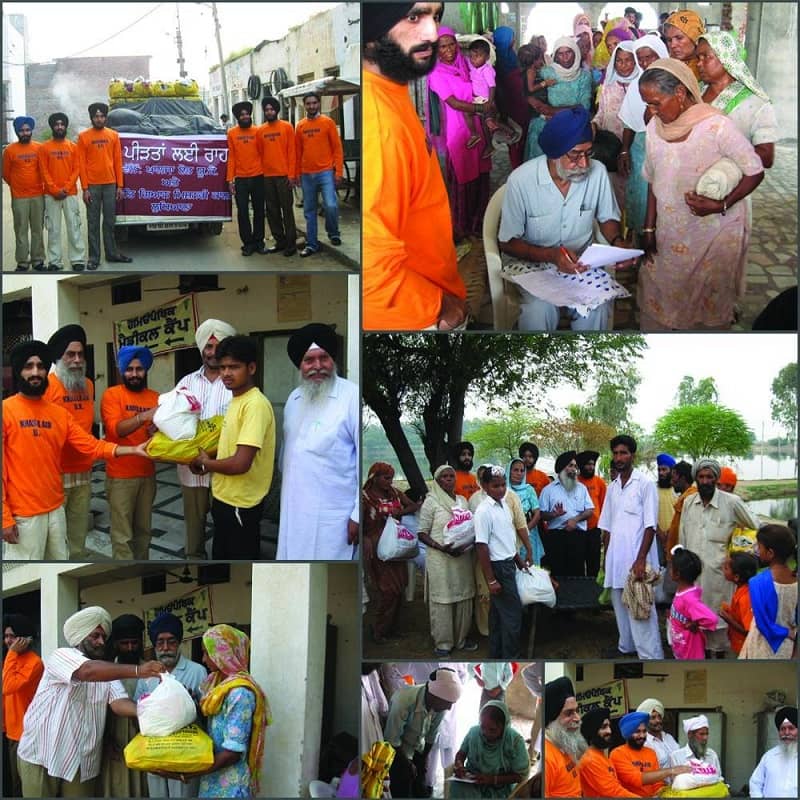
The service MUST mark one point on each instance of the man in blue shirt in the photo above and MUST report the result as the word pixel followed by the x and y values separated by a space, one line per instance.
pixel 549 209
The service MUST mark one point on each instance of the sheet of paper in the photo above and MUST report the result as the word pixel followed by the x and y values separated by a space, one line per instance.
pixel 603 255
pixel 583 292
pixel 461 780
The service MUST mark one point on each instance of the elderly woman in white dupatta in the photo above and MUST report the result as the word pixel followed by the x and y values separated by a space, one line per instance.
pixel 573 88
pixel 688 278
pixel 449 577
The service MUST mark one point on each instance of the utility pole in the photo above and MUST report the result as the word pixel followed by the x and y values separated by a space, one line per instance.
pixel 179 41
pixel 225 97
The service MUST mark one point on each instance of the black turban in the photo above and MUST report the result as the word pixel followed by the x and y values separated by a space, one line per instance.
pixel 555 695
pixel 128 626
pixel 271 101
pixel 787 712
pixel 59 116
pixel 585 457
pixel 315 333
pixel 95 107
pixel 592 721
pixel 243 106
pixel 377 19
pixel 165 623
pixel 61 339
pixel 24 350
pixel 529 446
pixel 20 624
pixel 564 459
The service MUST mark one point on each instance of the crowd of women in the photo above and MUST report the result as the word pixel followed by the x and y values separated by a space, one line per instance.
pixel 668 108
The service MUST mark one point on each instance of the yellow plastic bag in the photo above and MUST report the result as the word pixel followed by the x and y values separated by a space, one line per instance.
pixel 189 750
pixel 743 540
pixel 375 768
pixel 162 448
pixel 719 789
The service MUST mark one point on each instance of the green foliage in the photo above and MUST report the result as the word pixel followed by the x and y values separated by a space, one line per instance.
pixel 611 402
pixel 498 440
pixel 555 436
pixel 700 393
pixel 703 430
pixel 784 399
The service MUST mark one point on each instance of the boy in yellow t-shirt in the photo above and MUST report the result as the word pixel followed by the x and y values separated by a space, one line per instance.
pixel 242 470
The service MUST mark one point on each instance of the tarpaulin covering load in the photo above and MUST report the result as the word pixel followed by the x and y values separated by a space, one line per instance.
pixel 165 116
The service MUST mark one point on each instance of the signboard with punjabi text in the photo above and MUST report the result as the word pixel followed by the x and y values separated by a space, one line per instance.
pixel 613 696
pixel 192 609
pixel 170 326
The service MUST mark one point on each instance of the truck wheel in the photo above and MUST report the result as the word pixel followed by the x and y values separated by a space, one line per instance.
pixel 212 228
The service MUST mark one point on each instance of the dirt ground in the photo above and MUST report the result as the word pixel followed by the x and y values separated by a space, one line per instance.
pixel 559 634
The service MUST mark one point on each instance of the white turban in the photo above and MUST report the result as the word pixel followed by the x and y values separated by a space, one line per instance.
pixel 81 624
pixel 445 686
pixel 695 723
pixel 651 703
pixel 212 327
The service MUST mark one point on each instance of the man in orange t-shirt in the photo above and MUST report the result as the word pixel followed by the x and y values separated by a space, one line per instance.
pixel 598 776
pixel 410 274
pixel 564 743
pixel 35 433
pixel 596 486
pixel 60 166
pixel 246 178
pixel 320 168
pixel 278 158
pixel 466 483
pixel 683 484
pixel 68 387
pixel 100 160
pixel 127 410
pixel 22 671
pixel 529 453
pixel 22 173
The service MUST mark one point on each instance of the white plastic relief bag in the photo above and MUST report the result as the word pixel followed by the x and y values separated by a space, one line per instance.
pixel 177 414
pixel 167 709
pixel 534 586
pixel 460 530
pixel 397 542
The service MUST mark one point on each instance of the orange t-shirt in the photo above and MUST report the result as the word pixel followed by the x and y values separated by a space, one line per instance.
pixel 60 166
pixel 598 776
pixel 596 487
pixel 34 434
pixel 21 170
pixel 741 610
pixel 80 405
pixel 561 778
pixel 244 153
pixel 120 403
pixel 21 675
pixel 630 764
pixel 674 529
pixel 100 157
pixel 409 259
pixel 278 150
pixel 537 479
pixel 318 146
pixel 466 484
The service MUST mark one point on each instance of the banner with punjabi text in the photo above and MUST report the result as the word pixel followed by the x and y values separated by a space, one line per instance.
pixel 174 179
pixel 612 695
pixel 192 609
pixel 170 326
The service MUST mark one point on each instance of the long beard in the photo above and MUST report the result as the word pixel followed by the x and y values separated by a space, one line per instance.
pixel 129 658
pixel 315 393
pixel 570 742
pixel 789 748
pixel 575 175
pixel 398 65
pixel 665 483
pixel 567 481
pixel 32 391
pixel 72 379
pixel 699 749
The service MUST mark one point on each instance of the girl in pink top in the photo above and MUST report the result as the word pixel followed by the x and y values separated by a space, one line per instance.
pixel 689 617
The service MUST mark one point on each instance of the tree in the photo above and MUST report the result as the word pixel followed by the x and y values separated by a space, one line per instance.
pixel 499 439
pixel 696 394
pixel 611 402
pixel 701 431
pixel 784 399
pixel 428 378
pixel 556 436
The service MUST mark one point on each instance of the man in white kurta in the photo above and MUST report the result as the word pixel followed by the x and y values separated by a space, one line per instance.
pixel 319 458
pixel 629 517
pixel 776 773
pixel 706 769
pixel 707 522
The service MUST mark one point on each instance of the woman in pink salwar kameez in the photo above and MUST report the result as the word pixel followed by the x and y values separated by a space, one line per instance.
pixel 694 246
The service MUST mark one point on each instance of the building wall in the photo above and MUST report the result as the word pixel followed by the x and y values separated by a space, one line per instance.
pixel 14 59
pixel 71 84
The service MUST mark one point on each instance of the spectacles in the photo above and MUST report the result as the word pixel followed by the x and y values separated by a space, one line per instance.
pixel 575 158
pixel 166 643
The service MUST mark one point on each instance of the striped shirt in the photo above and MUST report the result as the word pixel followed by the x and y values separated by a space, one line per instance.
pixel 63 726
pixel 214 399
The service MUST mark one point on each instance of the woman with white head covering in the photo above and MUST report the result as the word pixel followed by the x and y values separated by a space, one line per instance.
pixel 448 569
pixel 573 87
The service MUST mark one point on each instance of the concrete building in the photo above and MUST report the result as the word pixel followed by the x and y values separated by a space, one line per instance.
pixel 302 620
pixel 15 57
pixel 736 697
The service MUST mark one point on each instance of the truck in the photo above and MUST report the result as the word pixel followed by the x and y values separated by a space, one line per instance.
pixel 174 158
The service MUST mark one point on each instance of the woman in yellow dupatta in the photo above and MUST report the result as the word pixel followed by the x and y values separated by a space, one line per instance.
pixel 602 53
pixel 238 714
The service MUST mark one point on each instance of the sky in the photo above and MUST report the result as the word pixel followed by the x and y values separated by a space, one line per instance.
pixel 62 30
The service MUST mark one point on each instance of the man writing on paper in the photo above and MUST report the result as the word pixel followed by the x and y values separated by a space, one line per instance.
pixel 549 208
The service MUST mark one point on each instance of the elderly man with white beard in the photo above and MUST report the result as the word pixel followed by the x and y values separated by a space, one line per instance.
pixel 706 769
pixel 321 423
pixel 776 773
pixel 565 743
pixel 68 387
pixel 565 506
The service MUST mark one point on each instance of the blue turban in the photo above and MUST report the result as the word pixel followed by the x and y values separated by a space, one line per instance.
pixel 129 352
pixel 20 121
pixel 564 130
pixel 665 460
pixel 165 623
pixel 630 722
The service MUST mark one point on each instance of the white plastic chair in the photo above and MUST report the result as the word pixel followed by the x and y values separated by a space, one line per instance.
pixel 498 288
